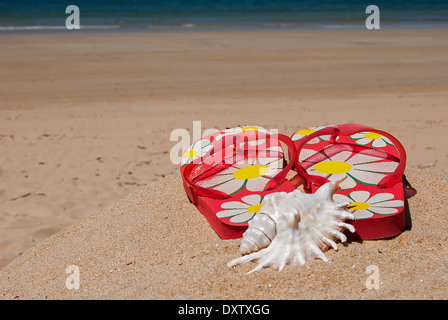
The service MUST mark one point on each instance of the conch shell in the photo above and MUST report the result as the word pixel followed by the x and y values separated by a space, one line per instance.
pixel 294 227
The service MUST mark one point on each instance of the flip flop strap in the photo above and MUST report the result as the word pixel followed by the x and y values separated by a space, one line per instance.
pixel 348 130
pixel 275 182
pixel 279 178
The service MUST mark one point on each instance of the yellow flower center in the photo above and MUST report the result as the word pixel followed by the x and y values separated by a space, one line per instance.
pixel 190 154
pixel 306 132
pixel 249 128
pixel 358 206
pixel 255 208
pixel 251 172
pixel 333 167
pixel 372 135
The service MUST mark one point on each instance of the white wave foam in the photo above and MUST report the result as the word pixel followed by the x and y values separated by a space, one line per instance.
pixel 23 28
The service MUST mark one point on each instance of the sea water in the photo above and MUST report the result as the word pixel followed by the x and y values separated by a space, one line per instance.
pixel 185 15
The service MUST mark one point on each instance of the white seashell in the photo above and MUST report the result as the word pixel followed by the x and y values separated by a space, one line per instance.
pixel 294 227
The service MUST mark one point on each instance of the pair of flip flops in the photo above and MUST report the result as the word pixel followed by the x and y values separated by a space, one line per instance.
pixel 227 174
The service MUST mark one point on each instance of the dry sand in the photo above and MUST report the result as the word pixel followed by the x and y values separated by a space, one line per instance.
pixel 154 244
pixel 85 119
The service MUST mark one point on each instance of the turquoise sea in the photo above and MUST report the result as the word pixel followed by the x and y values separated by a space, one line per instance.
pixel 167 15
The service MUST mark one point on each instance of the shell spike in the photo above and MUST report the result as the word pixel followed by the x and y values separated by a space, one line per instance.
pixel 316 252
pixel 347 226
pixel 329 189
pixel 330 242
pixel 338 184
pixel 343 206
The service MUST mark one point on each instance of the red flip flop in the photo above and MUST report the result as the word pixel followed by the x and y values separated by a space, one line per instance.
pixel 229 177
pixel 373 163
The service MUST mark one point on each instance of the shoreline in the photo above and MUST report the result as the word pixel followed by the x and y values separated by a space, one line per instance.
pixel 189 28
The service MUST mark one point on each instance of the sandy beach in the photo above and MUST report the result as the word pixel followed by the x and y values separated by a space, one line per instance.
pixel 86 177
pixel 153 244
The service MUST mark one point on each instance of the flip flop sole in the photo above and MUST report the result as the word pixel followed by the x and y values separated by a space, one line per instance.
pixel 228 181
pixel 364 157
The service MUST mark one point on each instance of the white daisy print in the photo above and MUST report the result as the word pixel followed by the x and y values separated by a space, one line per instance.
pixel 241 211
pixel 373 138
pixel 299 134
pixel 195 151
pixel 359 167
pixel 252 174
pixel 365 205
